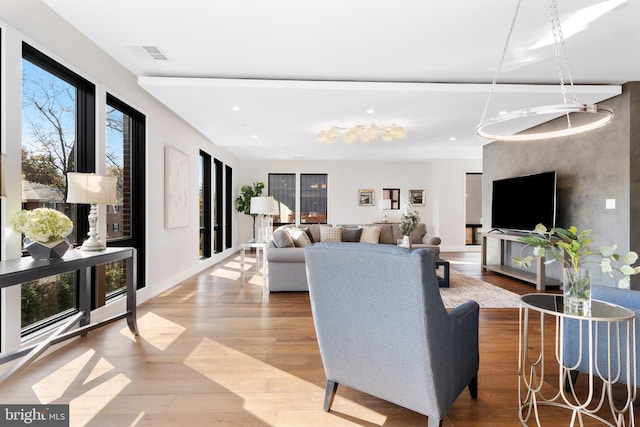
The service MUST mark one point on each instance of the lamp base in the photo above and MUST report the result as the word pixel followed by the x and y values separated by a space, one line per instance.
pixel 93 243
pixel 90 245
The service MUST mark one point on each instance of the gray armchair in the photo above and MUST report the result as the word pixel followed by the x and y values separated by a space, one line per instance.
pixel 571 339
pixel 382 327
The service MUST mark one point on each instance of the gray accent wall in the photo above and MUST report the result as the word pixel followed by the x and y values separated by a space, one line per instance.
pixel 591 167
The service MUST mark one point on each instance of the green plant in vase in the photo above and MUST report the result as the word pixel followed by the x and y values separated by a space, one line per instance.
pixel 570 247
pixel 243 201
pixel 408 222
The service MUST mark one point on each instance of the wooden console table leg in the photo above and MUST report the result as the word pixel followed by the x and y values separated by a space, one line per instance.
pixel 483 261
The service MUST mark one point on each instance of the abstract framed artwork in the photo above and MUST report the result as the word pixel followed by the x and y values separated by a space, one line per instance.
pixel 366 197
pixel 416 197
pixel 177 172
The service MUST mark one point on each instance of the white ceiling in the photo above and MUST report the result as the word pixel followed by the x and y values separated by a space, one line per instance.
pixel 295 67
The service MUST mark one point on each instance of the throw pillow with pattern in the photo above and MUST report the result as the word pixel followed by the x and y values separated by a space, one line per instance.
pixel 331 234
pixel 370 234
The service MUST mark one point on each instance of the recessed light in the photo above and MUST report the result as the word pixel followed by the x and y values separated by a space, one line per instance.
pixel 254 136
pixel 235 108
pixel 453 138
pixel 371 111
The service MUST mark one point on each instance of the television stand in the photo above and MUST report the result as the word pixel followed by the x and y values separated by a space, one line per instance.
pixel 538 278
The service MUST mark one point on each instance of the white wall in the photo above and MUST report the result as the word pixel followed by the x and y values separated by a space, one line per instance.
pixel 172 255
pixel 443 180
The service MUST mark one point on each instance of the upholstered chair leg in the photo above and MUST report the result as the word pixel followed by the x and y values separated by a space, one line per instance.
pixel 571 380
pixel 473 387
pixel 434 422
pixel 329 394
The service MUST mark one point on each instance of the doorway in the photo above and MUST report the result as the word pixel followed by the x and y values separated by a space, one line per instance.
pixel 473 208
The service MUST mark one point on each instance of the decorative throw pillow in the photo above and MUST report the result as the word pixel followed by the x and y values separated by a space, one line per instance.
pixel 351 234
pixel 370 234
pixel 331 234
pixel 282 238
pixel 306 230
pixel 299 237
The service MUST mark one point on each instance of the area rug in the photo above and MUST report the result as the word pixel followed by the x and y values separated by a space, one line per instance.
pixel 464 288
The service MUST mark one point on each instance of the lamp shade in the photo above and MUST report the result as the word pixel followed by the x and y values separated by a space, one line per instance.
pixel 385 204
pixel 263 206
pixel 90 188
pixel 3 189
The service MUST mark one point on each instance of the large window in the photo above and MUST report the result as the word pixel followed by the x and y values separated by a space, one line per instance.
pixel 313 198
pixel 282 187
pixel 125 129
pixel 204 187
pixel 218 203
pixel 228 210
pixel 58 136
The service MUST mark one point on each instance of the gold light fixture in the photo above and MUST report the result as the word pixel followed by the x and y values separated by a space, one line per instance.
pixel 585 117
pixel 365 133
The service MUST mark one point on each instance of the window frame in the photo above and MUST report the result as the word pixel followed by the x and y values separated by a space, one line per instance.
pixel 303 197
pixel 205 214
pixel 271 191
pixel 138 195
pixel 84 153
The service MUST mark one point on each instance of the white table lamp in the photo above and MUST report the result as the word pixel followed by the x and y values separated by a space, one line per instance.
pixel 384 205
pixel 93 189
pixel 264 207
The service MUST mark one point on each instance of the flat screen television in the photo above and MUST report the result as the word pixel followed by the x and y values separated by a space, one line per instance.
pixel 520 203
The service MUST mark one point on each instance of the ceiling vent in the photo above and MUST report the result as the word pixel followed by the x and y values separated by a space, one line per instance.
pixel 155 53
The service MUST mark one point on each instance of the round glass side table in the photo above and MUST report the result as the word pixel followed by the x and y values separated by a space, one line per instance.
pixel 541 384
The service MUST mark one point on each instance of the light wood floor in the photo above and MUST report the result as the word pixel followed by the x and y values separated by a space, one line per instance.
pixel 212 352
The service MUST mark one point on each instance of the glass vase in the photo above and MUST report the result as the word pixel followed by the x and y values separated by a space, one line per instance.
pixel 576 285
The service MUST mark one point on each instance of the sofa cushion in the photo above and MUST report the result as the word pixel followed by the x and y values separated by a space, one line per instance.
pixel 351 234
pixel 370 234
pixel 300 237
pixel 416 235
pixel 314 230
pixel 386 234
pixel 308 231
pixel 330 234
pixel 282 238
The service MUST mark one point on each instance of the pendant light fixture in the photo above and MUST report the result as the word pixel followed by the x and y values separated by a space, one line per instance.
pixel 578 117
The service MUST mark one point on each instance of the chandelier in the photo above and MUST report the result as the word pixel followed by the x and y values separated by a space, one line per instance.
pixel 589 116
pixel 366 133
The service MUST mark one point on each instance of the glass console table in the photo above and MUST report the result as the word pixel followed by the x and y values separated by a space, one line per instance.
pixel 261 258
pixel 542 384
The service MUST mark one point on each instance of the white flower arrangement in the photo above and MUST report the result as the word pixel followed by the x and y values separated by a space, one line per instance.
pixel 42 225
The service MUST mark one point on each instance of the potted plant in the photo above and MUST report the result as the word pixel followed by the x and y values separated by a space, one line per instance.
pixel 45 231
pixel 408 222
pixel 243 201
pixel 570 247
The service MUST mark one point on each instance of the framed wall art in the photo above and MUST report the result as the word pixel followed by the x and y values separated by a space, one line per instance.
pixel 366 197
pixel 416 197
pixel 177 170
pixel 394 195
